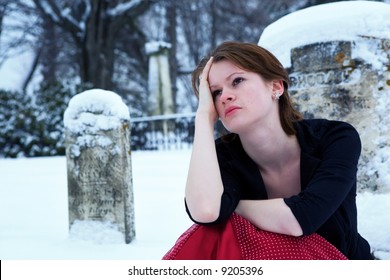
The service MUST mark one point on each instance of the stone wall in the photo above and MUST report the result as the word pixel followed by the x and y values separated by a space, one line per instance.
pixel 334 80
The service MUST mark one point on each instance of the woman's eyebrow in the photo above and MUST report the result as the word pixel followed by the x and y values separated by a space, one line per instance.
pixel 229 76
pixel 234 73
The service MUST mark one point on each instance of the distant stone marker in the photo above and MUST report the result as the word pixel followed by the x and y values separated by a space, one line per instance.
pixel 97 138
pixel 342 73
pixel 159 81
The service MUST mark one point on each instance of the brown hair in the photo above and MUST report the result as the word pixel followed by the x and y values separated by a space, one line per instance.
pixel 253 58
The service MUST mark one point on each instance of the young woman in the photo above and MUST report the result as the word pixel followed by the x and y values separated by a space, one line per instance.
pixel 277 186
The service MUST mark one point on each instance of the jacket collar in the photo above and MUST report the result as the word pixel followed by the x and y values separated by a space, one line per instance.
pixel 308 141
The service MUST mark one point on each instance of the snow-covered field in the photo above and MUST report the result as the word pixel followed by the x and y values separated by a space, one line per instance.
pixel 34 212
pixel 33 192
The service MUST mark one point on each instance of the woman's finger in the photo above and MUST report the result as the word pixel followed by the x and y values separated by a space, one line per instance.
pixel 206 70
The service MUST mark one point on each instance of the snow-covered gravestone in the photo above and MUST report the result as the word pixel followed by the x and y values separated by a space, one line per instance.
pixel 338 58
pixel 97 139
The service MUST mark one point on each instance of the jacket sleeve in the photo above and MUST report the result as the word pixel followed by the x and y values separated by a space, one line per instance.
pixel 335 177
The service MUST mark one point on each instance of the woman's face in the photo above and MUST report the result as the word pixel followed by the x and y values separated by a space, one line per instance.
pixel 243 99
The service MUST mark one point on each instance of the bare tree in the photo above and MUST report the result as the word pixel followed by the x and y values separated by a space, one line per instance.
pixel 17 41
pixel 94 25
pixel 20 30
pixel 3 7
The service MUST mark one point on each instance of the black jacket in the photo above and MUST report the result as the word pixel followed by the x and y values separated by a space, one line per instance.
pixel 327 202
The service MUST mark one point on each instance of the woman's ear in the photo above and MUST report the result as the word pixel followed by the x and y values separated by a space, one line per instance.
pixel 278 87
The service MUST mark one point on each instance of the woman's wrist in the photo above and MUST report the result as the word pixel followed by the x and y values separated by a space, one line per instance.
pixel 205 118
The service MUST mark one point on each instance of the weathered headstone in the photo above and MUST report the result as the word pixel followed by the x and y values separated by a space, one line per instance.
pixel 328 82
pixel 97 136
pixel 343 75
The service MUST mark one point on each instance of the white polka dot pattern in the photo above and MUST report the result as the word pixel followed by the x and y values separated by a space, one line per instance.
pixel 258 244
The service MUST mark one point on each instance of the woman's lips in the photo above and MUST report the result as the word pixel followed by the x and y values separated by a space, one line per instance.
pixel 230 110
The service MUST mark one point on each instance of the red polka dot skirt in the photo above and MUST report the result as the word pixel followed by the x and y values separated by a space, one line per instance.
pixel 238 239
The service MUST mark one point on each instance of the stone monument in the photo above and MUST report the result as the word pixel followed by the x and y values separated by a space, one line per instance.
pixel 339 67
pixel 159 81
pixel 97 138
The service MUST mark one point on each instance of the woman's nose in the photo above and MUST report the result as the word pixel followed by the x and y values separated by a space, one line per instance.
pixel 227 96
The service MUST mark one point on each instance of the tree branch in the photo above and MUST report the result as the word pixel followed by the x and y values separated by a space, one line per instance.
pixel 122 12
pixel 62 18
pixel 123 8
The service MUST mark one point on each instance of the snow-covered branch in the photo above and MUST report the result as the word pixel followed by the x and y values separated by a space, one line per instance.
pixel 85 15
pixel 69 19
pixel 123 8
pixel 62 16
pixel 47 9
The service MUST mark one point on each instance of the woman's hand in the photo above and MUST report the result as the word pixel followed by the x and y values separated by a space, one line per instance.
pixel 206 101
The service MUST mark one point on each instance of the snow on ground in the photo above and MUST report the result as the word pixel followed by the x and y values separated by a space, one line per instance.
pixel 34 211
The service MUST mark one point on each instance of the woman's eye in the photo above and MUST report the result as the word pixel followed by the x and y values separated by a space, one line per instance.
pixel 215 93
pixel 236 81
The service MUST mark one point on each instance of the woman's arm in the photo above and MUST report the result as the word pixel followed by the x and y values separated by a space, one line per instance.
pixel 270 215
pixel 204 186
pixel 333 183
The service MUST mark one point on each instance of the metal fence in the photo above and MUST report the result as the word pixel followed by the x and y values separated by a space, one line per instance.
pixel 166 132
